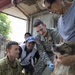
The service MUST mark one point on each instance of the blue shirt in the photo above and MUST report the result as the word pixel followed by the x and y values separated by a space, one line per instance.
pixel 66 24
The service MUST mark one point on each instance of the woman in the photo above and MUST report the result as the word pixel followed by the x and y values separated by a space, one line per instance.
pixel 66 23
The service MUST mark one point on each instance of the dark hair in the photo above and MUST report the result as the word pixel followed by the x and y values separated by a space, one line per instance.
pixel 49 1
pixel 8 46
pixel 27 33
pixel 37 23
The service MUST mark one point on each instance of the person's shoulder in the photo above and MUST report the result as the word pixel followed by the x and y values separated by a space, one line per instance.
pixel 38 39
pixel 53 29
pixel 38 36
pixel 2 62
pixel 18 62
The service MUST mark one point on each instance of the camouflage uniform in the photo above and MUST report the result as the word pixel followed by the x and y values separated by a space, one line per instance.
pixel 44 47
pixel 8 68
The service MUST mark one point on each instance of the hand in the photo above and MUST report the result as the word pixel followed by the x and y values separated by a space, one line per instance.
pixel 55 58
pixel 68 60
pixel 51 66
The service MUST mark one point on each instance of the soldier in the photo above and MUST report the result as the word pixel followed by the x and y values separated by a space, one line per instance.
pixel 44 40
pixel 9 65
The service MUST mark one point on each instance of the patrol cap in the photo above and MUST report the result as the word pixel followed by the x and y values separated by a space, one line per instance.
pixel 30 39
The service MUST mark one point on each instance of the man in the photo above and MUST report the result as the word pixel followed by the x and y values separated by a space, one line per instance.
pixel 28 55
pixel 9 65
pixel 44 40
pixel 27 34
pixel 66 23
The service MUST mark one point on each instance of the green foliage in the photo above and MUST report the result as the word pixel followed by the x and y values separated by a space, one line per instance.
pixel 5 27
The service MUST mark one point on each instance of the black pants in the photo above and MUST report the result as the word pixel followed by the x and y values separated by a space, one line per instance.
pixel 28 68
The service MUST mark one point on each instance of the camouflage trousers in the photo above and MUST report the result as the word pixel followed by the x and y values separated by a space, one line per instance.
pixel 39 67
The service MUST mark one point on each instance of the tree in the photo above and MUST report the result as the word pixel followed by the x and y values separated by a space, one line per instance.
pixel 5 27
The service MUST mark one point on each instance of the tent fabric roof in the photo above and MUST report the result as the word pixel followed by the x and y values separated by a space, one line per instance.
pixel 21 8
pixel 4 4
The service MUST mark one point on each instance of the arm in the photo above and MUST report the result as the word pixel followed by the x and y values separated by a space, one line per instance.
pixel 68 60
pixel 44 57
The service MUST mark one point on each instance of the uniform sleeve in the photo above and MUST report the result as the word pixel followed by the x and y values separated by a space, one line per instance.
pixel 44 57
